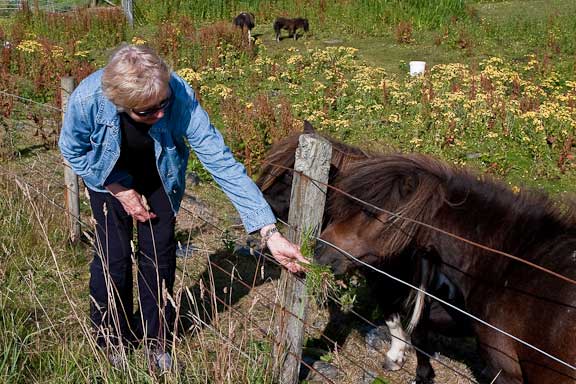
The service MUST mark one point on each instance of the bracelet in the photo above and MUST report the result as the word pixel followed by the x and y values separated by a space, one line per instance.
pixel 268 234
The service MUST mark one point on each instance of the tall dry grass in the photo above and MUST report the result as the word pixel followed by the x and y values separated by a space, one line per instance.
pixel 45 332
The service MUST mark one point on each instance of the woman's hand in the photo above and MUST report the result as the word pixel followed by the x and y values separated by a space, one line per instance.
pixel 133 203
pixel 285 252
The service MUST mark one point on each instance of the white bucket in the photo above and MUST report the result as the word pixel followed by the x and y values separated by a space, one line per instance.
pixel 417 68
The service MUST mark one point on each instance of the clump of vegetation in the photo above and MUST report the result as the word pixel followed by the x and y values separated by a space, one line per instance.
pixel 495 114
pixel 499 94
pixel 322 285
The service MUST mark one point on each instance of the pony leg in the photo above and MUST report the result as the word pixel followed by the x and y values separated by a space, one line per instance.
pixel 424 371
pixel 400 340
pixel 335 332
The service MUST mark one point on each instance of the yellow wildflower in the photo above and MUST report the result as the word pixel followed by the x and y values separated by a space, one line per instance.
pixel 29 46
pixel 189 75
pixel 138 41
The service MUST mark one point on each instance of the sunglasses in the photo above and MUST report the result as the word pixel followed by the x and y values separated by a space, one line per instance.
pixel 154 110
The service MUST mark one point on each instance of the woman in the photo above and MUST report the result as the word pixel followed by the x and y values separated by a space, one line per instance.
pixel 127 132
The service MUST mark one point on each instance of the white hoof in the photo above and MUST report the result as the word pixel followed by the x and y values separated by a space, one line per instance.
pixel 392 364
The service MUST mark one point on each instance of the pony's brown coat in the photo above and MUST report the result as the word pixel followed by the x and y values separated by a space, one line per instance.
pixel 532 305
pixel 276 174
pixel 275 182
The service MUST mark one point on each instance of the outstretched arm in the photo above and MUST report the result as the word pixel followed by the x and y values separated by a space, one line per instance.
pixel 285 252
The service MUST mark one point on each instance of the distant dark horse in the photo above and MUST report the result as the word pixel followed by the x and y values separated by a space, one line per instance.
pixel 245 21
pixel 528 303
pixel 276 183
pixel 291 25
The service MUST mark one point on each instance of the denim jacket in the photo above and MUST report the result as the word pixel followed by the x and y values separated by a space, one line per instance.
pixel 90 143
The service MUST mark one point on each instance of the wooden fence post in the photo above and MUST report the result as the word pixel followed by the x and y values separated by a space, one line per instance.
pixel 72 189
pixel 128 6
pixel 305 217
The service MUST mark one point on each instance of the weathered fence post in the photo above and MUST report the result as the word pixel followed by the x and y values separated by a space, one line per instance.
pixel 305 217
pixel 128 6
pixel 72 189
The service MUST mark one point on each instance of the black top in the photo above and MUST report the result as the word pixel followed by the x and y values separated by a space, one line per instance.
pixel 137 155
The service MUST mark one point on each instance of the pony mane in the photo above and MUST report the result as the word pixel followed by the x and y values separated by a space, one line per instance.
pixel 384 181
pixel 280 153
pixel 423 189
pixel 283 153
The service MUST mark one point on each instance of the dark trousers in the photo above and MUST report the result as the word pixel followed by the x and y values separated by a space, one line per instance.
pixel 111 276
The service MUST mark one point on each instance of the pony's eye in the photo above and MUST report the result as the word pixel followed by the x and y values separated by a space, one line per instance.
pixel 368 212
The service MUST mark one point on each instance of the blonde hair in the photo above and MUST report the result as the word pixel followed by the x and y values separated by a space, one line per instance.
pixel 134 75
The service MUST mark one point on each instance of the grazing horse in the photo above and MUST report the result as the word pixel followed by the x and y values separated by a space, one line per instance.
pixel 275 181
pixel 291 25
pixel 427 205
pixel 245 21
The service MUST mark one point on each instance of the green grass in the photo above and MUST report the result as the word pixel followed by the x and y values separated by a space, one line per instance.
pixel 44 326
pixel 509 29
pixel 366 16
pixel 43 334
pixel 14 339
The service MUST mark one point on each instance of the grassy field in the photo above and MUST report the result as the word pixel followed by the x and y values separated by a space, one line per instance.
pixel 499 95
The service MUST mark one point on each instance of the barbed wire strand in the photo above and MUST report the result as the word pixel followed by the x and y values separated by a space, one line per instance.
pixel 267 335
pixel 449 304
pixel 42 194
pixel 50 165
pixel 48 175
pixel 22 99
pixel 221 336
pixel 37 190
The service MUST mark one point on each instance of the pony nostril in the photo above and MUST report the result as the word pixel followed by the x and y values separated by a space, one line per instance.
pixel 319 248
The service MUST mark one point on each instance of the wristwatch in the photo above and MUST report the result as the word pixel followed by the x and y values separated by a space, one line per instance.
pixel 268 234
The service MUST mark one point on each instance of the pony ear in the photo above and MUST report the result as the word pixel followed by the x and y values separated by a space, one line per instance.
pixel 407 186
pixel 308 128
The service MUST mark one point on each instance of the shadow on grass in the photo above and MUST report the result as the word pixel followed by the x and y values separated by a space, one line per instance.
pixel 202 310
pixel 216 291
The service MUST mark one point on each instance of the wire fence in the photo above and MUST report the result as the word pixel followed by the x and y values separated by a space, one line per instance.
pixel 44 178
pixel 8 7
pixel 270 302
